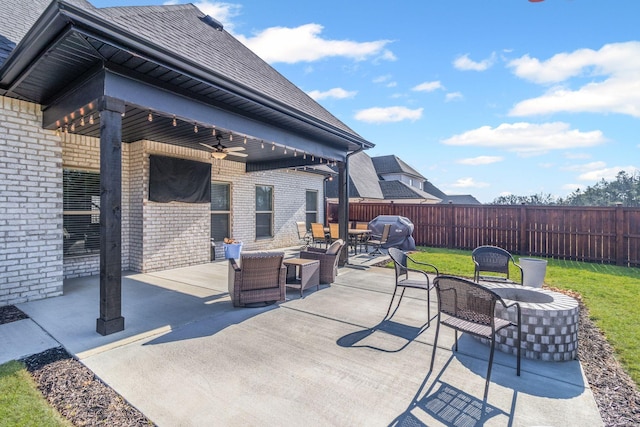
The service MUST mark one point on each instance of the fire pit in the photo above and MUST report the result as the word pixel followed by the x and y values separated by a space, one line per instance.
pixel 549 322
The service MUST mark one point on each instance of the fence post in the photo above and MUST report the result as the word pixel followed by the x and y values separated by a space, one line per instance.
pixel 450 226
pixel 523 246
pixel 621 256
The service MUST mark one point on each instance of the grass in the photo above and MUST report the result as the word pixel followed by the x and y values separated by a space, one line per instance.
pixel 611 294
pixel 21 403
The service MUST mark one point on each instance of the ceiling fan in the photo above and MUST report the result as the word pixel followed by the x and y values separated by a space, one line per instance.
pixel 219 151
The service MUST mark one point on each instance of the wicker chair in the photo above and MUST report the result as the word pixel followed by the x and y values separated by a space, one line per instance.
pixel 260 278
pixel 328 260
pixel 470 307
pixel 406 280
pixel 303 234
pixel 493 259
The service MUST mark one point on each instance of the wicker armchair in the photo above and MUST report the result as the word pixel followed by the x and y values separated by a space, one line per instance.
pixel 493 259
pixel 328 260
pixel 260 278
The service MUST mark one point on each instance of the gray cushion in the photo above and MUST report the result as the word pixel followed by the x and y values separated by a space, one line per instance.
pixel 335 247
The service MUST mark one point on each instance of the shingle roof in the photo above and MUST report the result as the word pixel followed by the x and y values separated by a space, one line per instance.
pixel 460 199
pixel 400 190
pixel 432 189
pixel 363 180
pixel 392 165
pixel 17 17
pixel 181 29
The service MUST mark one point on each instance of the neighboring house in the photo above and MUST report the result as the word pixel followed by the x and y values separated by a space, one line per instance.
pixel 388 179
pixel 103 117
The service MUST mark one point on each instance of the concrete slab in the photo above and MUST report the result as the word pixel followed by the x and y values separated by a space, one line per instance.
pixel 23 338
pixel 187 357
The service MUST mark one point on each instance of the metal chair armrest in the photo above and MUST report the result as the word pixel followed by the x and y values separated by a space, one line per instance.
pixel 425 264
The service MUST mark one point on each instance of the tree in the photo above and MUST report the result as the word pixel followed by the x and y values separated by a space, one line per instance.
pixel 624 189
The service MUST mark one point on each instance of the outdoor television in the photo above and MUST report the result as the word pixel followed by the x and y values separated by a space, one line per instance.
pixel 179 180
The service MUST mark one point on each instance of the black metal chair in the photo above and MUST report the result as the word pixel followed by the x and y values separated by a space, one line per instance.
pixel 493 259
pixel 470 308
pixel 404 281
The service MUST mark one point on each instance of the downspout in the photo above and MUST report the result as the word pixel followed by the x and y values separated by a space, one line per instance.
pixel 343 215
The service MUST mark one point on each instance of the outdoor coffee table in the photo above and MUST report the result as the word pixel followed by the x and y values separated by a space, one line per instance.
pixel 302 273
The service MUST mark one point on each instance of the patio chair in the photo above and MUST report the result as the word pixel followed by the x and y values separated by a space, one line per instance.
pixel 361 239
pixel 378 241
pixel 334 232
pixel 260 278
pixel 318 235
pixel 470 307
pixel 304 234
pixel 493 259
pixel 406 280
pixel 328 260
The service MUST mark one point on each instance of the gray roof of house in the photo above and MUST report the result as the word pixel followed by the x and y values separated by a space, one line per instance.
pixel 460 199
pixel 394 190
pixel 432 189
pixel 181 37
pixel 363 179
pixel 393 165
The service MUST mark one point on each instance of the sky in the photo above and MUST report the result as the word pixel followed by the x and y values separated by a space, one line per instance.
pixel 481 97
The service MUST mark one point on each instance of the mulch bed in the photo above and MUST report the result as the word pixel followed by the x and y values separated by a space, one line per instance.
pixel 85 400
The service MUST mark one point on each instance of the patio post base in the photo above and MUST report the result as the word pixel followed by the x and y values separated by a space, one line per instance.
pixel 107 327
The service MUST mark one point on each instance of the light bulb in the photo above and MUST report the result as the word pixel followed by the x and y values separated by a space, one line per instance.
pixel 150 117
pixel 174 122
pixel 195 128
pixel 91 119
pixel 82 121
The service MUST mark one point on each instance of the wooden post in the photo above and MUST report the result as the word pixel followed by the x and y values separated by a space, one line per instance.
pixel 450 226
pixel 110 319
pixel 621 255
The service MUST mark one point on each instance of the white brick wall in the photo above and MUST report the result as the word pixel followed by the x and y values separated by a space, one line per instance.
pixel 30 205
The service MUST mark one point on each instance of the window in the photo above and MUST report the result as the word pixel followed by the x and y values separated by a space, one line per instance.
pixel 220 211
pixel 311 208
pixel 264 211
pixel 81 212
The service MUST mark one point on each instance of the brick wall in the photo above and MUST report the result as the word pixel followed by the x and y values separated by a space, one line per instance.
pixel 30 205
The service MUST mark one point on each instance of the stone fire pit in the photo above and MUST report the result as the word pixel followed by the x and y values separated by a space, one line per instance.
pixel 549 322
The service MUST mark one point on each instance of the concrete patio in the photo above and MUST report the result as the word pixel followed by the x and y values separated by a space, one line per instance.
pixel 188 357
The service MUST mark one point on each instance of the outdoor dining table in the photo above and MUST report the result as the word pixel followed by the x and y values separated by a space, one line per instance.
pixel 355 234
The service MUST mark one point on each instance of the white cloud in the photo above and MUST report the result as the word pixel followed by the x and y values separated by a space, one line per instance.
pixel 452 96
pixel 428 86
pixel 528 138
pixel 388 114
pixel 382 79
pixel 336 93
pixel 220 11
pixel 306 44
pixel 468 183
pixel 586 167
pixel 608 174
pixel 577 156
pixel 571 187
pixel 464 63
pixel 617 90
pixel 480 160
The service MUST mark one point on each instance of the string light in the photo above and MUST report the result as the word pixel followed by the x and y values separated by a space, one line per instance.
pixel 58 131
pixel 295 153
pixel 262 144
pixel 304 155
pixel 313 158
pixel 245 140
pixel 285 150
pixel 230 136
pixel 82 121
pixel 73 127
pixel 174 122
pixel 273 146
pixel 150 117
pixel 195 128
pixel 213 132
pixel 91 119
pixel 66 129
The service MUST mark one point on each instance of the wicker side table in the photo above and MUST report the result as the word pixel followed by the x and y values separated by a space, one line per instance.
pixel 302 273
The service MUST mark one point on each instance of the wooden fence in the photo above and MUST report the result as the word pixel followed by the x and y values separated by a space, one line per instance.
pixel 594 234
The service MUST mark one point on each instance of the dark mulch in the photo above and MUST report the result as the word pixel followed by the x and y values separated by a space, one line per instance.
pixel 84 399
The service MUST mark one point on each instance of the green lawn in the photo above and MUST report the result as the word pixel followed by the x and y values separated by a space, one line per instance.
pixel 21 403
pixel 610 293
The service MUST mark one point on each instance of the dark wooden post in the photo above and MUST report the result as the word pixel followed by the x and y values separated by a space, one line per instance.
pixel 621 255
pixel 110 319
